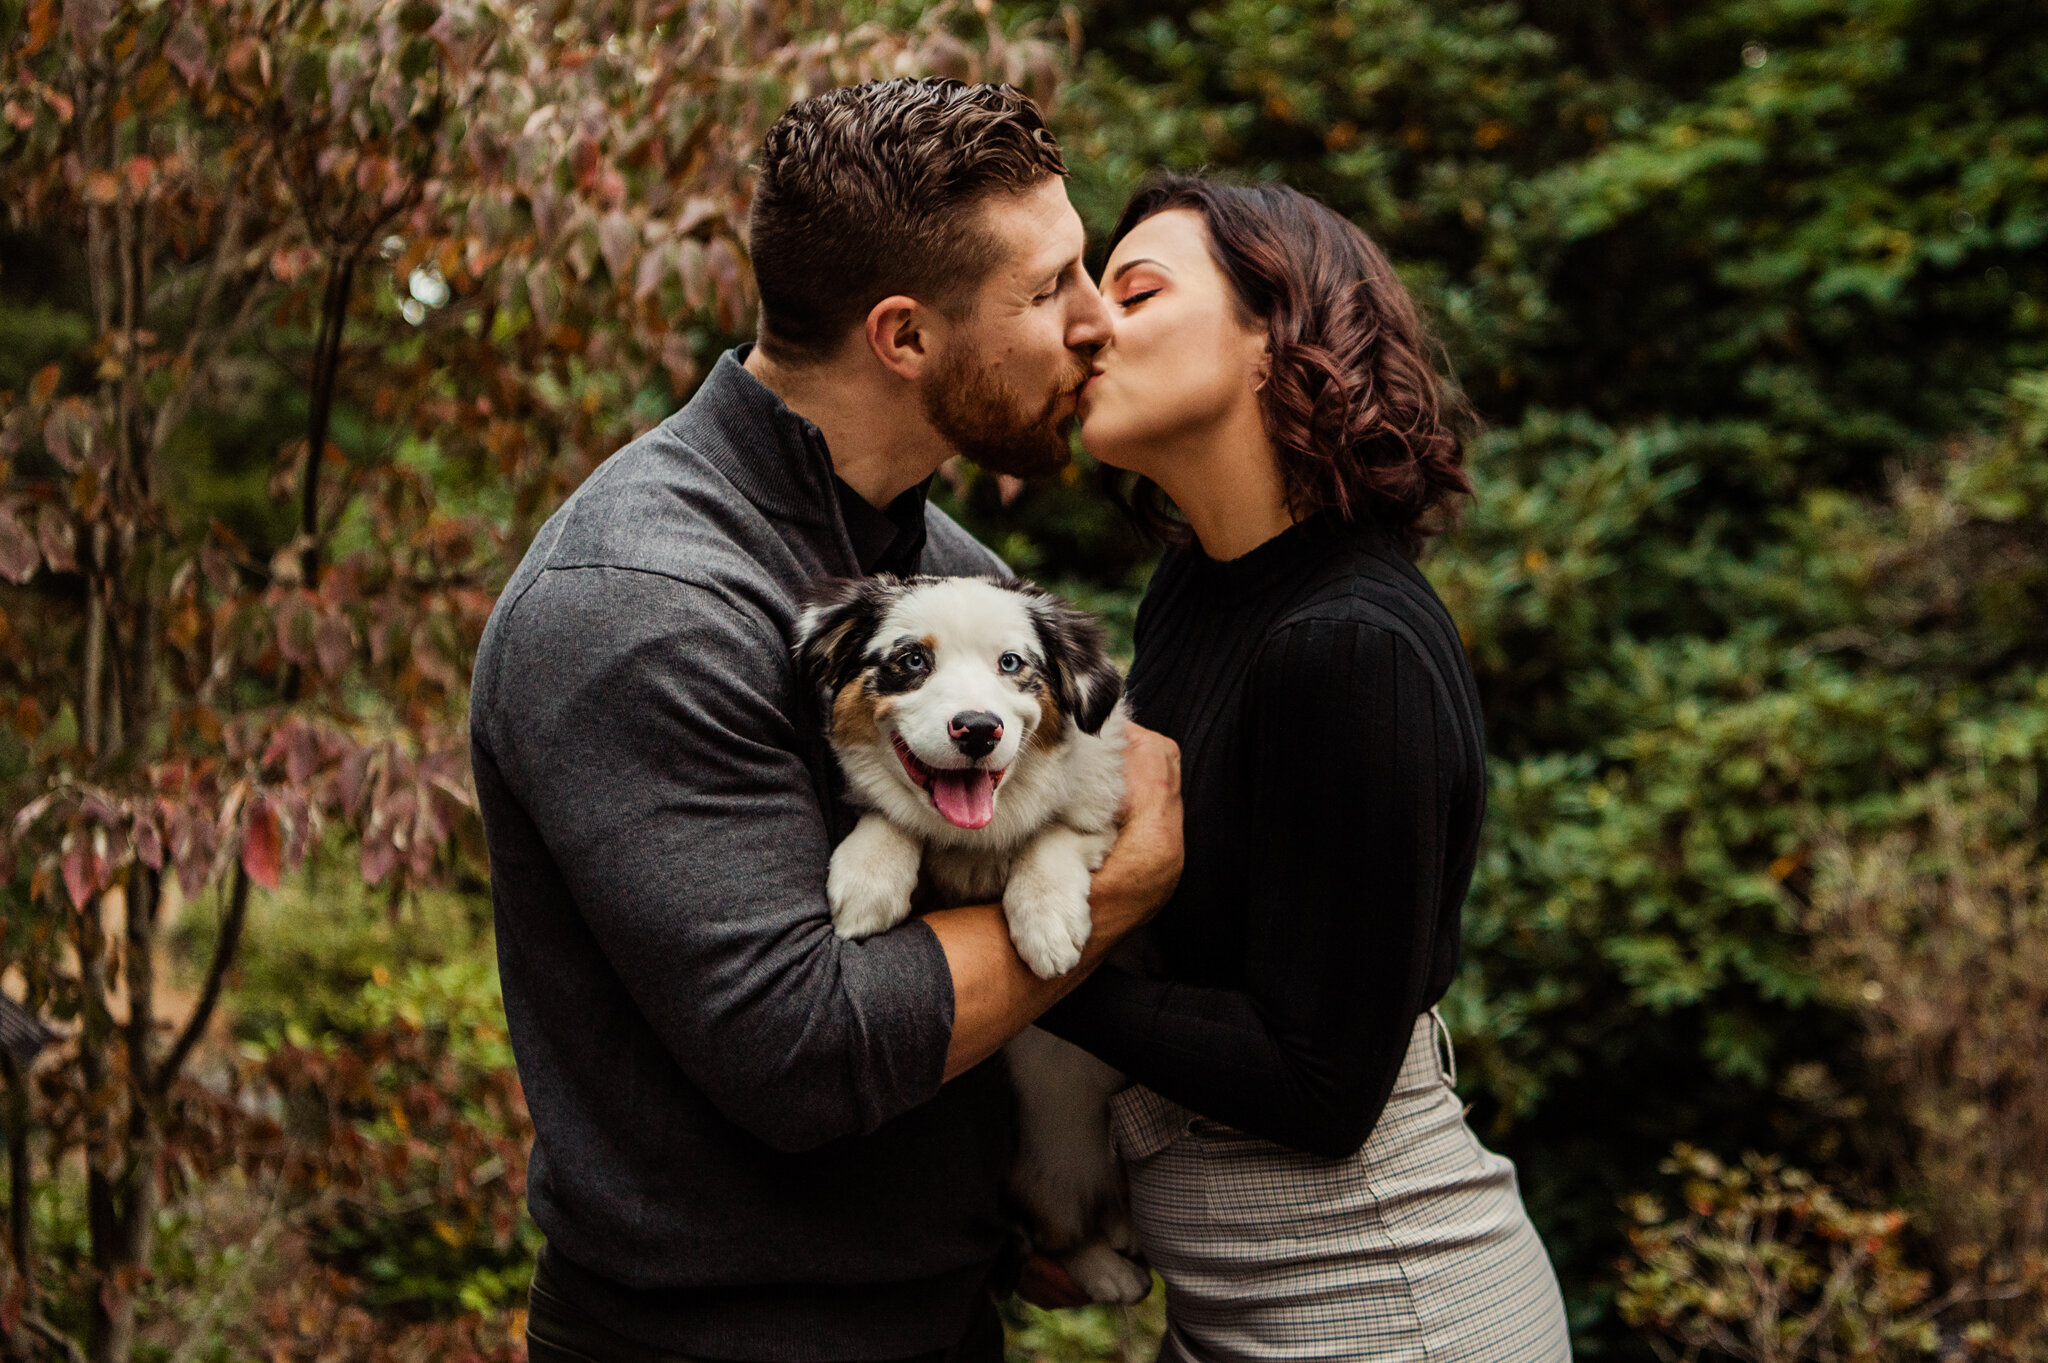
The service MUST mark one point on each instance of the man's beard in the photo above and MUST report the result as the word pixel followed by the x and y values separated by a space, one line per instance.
pixel 970 405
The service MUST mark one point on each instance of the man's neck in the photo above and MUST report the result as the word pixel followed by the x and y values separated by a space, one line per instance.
pixel 880 443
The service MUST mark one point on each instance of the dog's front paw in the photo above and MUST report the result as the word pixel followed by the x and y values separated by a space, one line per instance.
pixel 872 876
pixel 1045 946
pixel 1048 916
pixel 1107 1276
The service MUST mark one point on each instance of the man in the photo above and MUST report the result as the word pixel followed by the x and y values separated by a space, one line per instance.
pixel 754 1140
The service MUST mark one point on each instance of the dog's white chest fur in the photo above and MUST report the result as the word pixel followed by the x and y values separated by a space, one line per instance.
pixel 980 725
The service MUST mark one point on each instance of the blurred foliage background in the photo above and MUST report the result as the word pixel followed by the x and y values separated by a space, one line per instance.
pixel 1753 298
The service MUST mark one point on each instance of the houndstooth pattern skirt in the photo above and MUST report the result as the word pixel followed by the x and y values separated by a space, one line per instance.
pixel 1415 1248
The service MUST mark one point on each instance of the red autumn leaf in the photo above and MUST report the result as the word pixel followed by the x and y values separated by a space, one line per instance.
pixel 334 642
pixel 149 844
pixel 679 360
pixel 43 385
pixel 185 47
pixel 615 240
pixel 42 22
pixel 690 261
pixel 140 170
pixel 58 538
pixel 88 20
pixel 78 877
pixel 33 811
pixel 19 556
pixel 293 629
pixel 353 769
pixel 263 844
pixel 219 571
pixel 13 1304
pixel 729 294
pixel 653 269
pixel 301 755
pixel 584 154
pixel 380 858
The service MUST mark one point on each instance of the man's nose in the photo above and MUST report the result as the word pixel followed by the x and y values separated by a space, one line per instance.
pixel 975 732
pixel 1089 326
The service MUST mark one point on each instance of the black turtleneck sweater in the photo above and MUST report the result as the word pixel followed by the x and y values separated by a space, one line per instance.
pixel 1333 770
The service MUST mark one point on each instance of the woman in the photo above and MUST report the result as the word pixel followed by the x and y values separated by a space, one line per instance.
pixel 1300 1170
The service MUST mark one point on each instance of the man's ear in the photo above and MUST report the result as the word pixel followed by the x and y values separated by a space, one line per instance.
pixel 901 333
pixel 1085 681
pixel 833 632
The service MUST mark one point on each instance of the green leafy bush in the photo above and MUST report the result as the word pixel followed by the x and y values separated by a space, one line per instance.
pixel 1752 297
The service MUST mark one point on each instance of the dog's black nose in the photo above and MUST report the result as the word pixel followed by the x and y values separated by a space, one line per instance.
pixel 975 732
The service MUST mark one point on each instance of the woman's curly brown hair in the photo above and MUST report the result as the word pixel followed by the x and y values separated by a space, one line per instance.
pixel 1364 426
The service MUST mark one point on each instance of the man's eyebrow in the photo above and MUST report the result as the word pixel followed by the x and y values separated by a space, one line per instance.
pixel 1053 275
pixel 1130 265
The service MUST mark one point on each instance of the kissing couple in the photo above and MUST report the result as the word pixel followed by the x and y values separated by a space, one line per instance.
pixel 755 1139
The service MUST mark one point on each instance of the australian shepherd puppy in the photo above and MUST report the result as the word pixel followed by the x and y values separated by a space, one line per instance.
pixel 980 724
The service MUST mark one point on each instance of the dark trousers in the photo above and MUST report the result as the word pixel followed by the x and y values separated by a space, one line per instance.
pixel 556 1332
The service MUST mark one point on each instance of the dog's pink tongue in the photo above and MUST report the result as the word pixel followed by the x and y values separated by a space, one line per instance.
pixel 966 798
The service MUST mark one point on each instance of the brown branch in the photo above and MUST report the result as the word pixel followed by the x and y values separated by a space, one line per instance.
pixel 326 374
pixel 227 247
pixel 141 978
pixel 18 1171
pixel 92 683
pixel 51 1335
pixel 216 974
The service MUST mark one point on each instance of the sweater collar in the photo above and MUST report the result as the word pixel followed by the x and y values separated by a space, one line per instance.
pixel 776 459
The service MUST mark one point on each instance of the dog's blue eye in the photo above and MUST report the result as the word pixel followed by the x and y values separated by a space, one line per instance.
pixel 915 660
pixel 1010 662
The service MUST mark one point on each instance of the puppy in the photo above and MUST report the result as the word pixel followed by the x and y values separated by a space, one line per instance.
pixel 980 724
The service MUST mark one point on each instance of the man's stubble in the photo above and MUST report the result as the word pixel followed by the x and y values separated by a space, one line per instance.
pixel 968 404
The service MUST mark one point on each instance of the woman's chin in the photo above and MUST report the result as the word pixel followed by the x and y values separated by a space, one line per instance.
pixel 1101 444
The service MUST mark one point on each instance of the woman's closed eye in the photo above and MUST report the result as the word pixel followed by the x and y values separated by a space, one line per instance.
pixel 1133 299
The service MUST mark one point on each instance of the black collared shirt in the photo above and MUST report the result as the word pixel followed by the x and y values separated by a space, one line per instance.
pixel 890 540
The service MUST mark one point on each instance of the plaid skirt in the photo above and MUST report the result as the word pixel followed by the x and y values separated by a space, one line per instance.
pixel 1417 1247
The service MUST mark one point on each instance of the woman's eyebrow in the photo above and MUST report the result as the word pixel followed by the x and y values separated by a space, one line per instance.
pixel 1130 265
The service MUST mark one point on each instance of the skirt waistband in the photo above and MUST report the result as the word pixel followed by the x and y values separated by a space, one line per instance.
pixel 1144 1122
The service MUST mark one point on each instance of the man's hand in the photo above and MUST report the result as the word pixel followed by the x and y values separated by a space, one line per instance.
pixel 1141 871
pixel 995 995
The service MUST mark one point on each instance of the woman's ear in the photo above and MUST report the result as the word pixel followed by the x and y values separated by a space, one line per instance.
pixel 1085 681
pixel 833 632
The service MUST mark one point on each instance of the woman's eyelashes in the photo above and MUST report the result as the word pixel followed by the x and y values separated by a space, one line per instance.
pixel 1131 300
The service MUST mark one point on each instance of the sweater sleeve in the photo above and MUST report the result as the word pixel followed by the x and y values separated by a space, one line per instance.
pixel 643 726
pixel 1353 760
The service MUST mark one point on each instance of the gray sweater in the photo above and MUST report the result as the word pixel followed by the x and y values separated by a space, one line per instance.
pixel 742 1147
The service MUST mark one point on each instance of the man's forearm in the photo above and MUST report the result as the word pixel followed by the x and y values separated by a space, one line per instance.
pixel 995 995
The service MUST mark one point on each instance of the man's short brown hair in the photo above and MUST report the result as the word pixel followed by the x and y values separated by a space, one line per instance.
pixel 869 191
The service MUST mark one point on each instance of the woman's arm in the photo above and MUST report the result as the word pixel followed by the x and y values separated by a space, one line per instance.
pixel 1356 759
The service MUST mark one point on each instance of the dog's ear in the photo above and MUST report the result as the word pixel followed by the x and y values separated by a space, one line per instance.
pixel 1085 681
pixel 839 618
